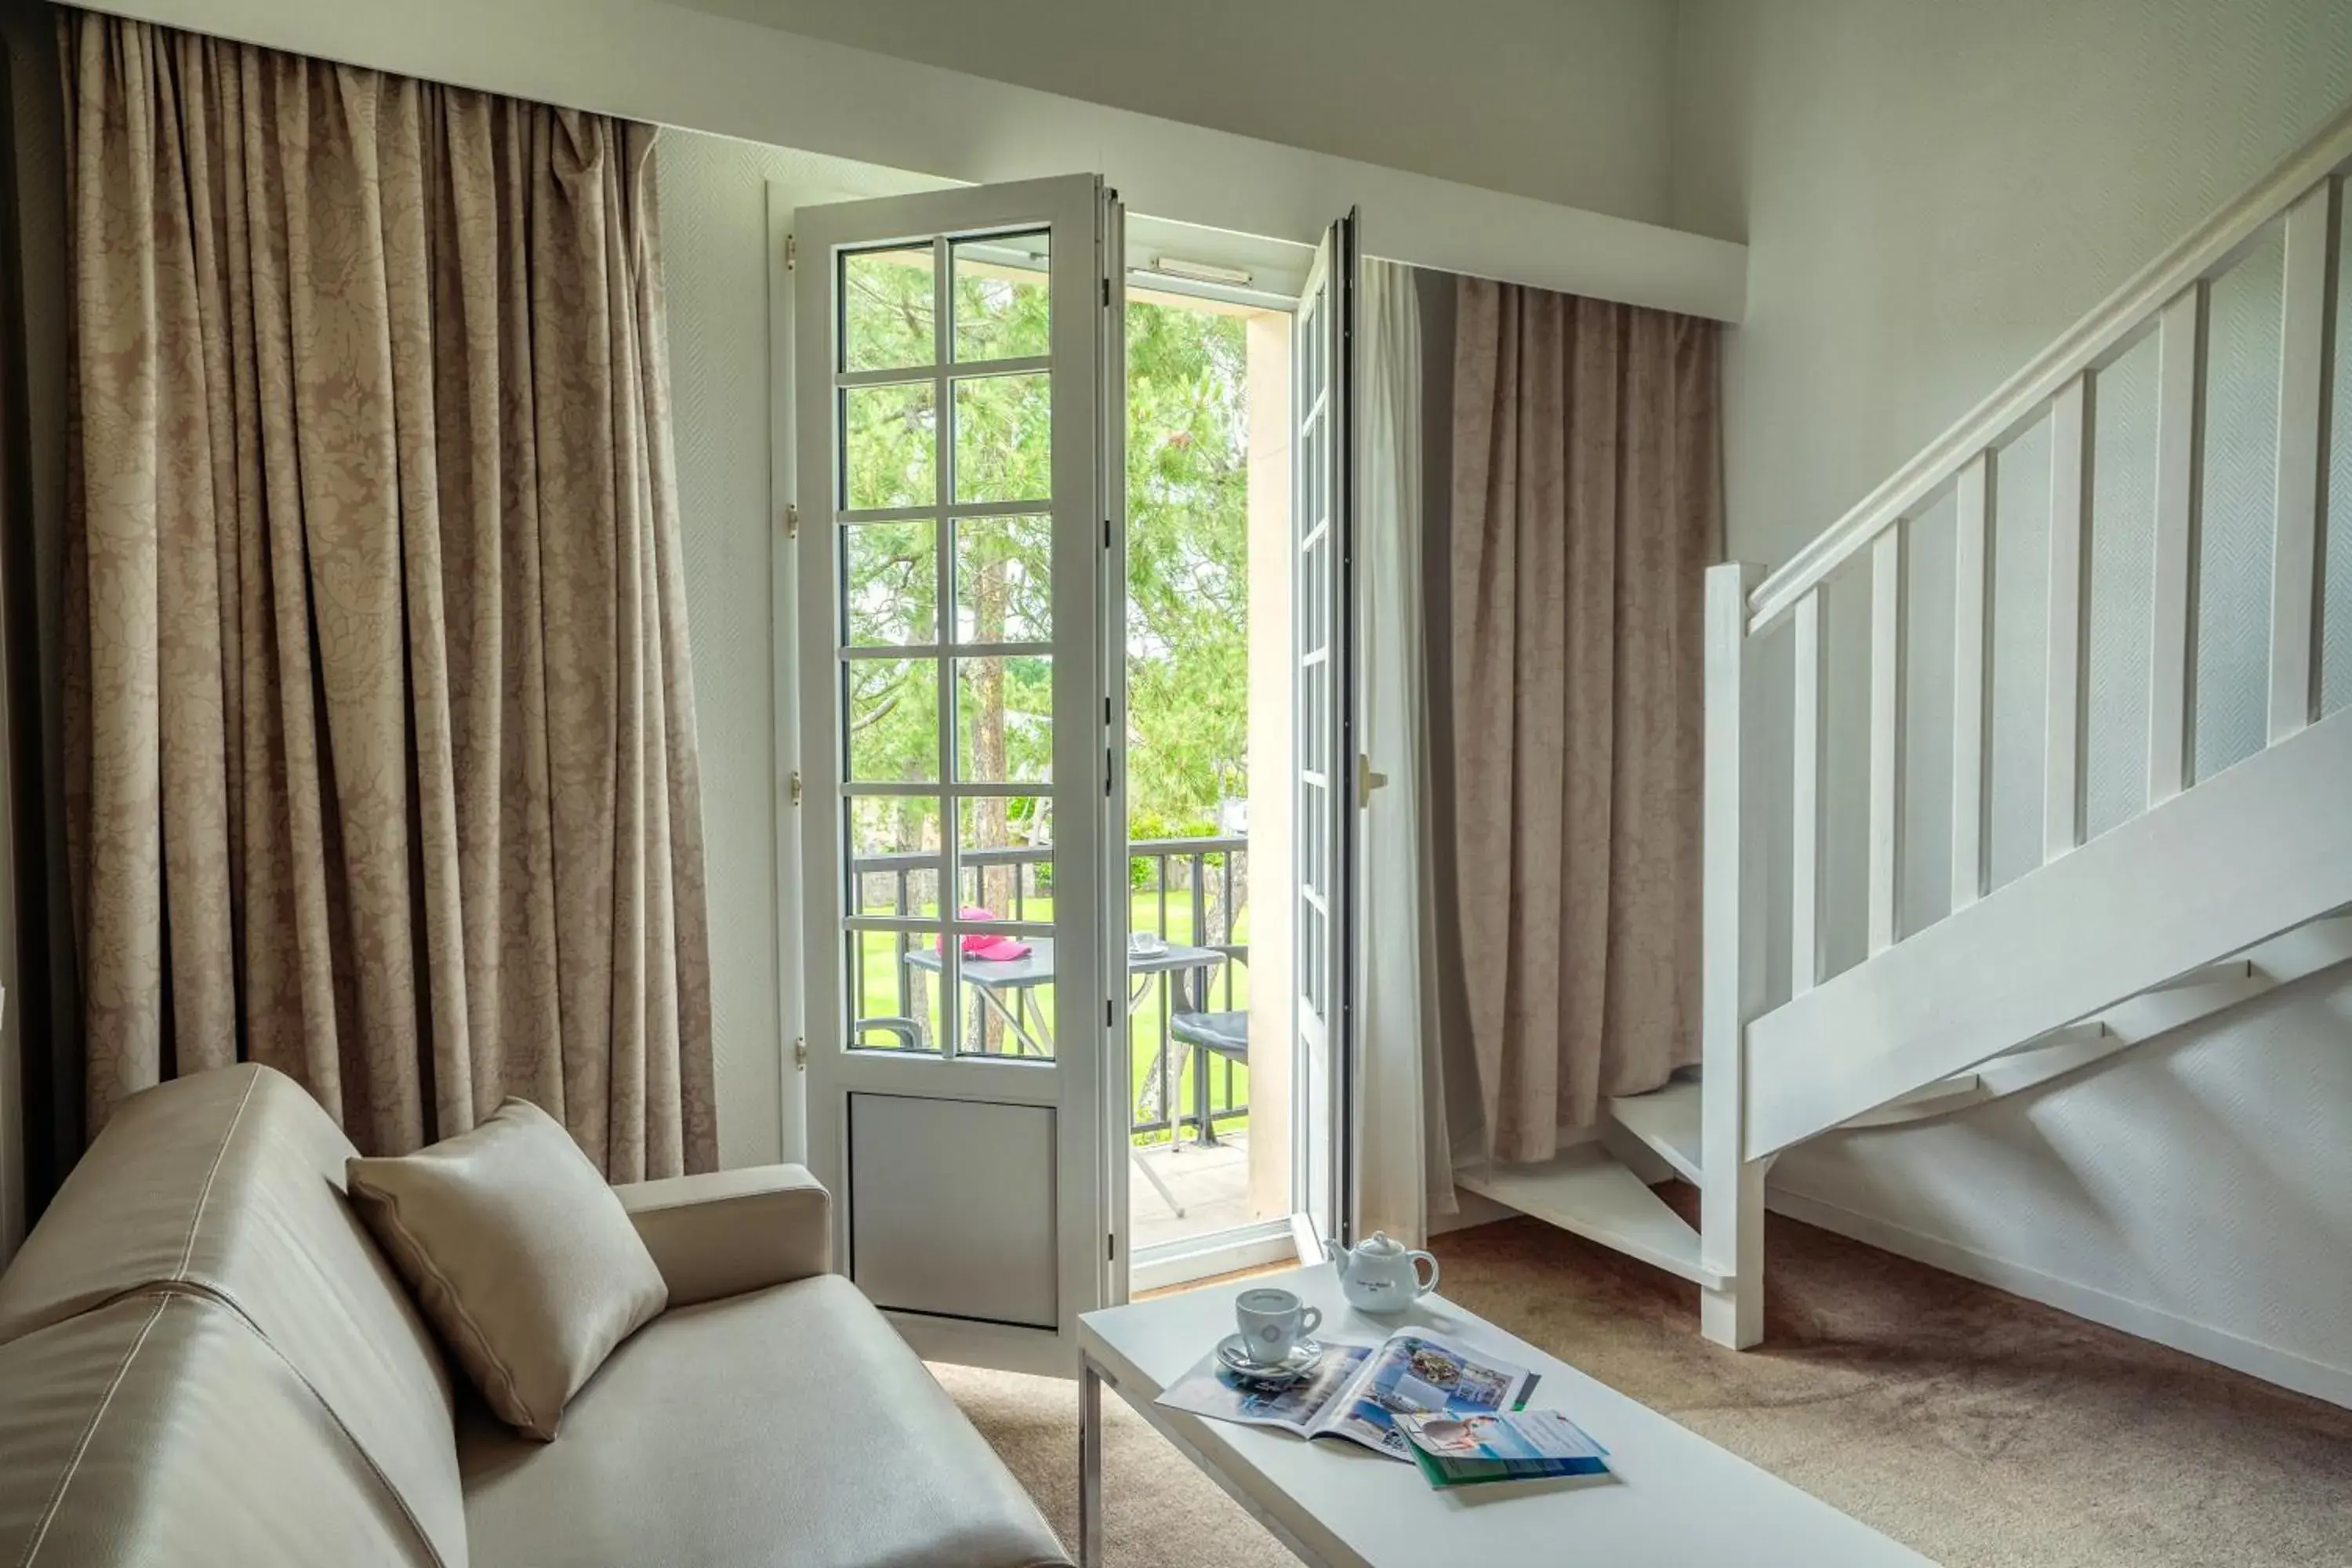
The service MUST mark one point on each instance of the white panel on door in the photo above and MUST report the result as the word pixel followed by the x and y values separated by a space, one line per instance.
pixel 954 1212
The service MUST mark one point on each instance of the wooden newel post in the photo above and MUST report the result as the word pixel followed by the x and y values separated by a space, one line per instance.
pixel 1731 1187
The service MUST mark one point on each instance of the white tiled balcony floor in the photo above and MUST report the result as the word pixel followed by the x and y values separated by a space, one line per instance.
pixel 1211 1183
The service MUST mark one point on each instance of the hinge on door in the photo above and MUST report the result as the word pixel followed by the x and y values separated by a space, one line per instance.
pixel 1110 1249
pixel 791 252
pixel 799 1055
pixel 1110 1014
pixel 793 788
pixel 1106 293
pixel 792 521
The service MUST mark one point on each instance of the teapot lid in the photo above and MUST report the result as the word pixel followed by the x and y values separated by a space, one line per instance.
pixel 1381 1245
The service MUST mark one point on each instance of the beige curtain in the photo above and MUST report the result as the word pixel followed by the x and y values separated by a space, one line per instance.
pixel 380 760
pixel 1587 505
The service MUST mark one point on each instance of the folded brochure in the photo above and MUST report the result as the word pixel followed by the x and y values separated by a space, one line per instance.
pixel 1504 1446
pixel 1356 1391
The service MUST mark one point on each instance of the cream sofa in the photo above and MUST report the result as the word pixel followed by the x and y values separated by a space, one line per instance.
pixel 204 1360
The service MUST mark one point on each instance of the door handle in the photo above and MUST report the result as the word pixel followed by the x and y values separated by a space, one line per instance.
pixel 1367 781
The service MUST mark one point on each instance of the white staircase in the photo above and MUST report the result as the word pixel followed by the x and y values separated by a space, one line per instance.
pixel 2223 887
pixel 1603 1192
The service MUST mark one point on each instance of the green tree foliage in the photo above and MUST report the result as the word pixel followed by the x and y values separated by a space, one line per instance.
pixel 1187 568
pixel 1186 558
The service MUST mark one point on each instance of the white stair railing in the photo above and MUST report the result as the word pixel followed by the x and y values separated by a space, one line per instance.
pixel 1838 1048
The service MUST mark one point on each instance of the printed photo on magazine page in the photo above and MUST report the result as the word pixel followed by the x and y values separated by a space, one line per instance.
pixel 1424 1374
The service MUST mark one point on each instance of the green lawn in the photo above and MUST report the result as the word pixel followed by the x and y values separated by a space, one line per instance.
pixel 1228 1086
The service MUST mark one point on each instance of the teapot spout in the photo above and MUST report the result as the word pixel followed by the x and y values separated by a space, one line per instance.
pixel 1339 1254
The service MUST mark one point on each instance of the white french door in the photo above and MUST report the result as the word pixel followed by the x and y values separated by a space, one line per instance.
pixel 1323 700
pixel 957 452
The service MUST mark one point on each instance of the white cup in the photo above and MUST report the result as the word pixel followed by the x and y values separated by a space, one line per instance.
pixel 1272 1322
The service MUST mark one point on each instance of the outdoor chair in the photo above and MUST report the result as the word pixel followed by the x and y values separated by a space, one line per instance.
pixel 1221 1034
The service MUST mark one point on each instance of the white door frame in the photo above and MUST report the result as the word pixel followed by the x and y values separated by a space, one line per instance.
pixel 1086 289
pixel 785 661
pixel 1323 381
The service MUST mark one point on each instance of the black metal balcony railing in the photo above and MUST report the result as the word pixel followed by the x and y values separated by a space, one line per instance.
pixel 1190 890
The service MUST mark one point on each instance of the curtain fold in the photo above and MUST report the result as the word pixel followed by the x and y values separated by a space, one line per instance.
pixel 1587 504
pixel 380 728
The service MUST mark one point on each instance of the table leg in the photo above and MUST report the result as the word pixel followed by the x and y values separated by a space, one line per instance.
pixel 1024 1037
pixel 1151 1074
pixel 1153 1177
pixel 1090 1500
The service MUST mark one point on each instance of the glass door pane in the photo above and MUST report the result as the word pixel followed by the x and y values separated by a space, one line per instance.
pixel 945 437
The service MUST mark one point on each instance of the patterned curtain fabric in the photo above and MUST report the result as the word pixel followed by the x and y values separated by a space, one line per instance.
pixel 380 736
pixel 1587 506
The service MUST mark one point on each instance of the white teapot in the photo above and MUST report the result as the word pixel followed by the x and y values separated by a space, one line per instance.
pixel 1381 1275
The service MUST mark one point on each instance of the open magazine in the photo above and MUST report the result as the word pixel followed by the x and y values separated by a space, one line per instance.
pixel 1356 1391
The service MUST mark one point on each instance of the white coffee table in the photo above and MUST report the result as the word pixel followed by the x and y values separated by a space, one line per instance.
pixel 1672 1499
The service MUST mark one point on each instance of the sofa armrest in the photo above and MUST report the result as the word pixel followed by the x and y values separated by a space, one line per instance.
pixel 725 1232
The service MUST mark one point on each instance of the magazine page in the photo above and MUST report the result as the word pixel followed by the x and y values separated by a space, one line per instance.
pixel 1209 1389
pixel 1421 1374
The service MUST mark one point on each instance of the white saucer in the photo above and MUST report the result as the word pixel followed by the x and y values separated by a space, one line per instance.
pixel 1233 1353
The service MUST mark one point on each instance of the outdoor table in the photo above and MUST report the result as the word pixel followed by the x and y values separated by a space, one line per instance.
pixel 995 979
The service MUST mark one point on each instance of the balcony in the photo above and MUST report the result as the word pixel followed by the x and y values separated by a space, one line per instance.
pixel 1192 892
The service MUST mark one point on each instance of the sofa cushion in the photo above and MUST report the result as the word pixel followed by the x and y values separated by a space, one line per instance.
pixel 790 1426
pixel 520 1254
pixel 161 1429
pixel 229 1183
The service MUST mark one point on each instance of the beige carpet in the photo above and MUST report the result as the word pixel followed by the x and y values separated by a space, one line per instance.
pixel 1985 1431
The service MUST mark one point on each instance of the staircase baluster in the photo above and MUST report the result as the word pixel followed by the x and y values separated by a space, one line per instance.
pixel 2073 425
pixel 2308 340
pixel 1809 901
pixel 1887 590
pixel 1972 552
pixel 2179 437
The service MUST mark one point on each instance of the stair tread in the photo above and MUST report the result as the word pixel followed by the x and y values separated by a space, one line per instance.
pixel 1586 1191
pixel 1668 1119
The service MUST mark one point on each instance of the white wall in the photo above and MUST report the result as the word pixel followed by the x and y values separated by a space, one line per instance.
pixel 1565 100
pixel 667 64
pixel 1931 194
pixel 715 253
